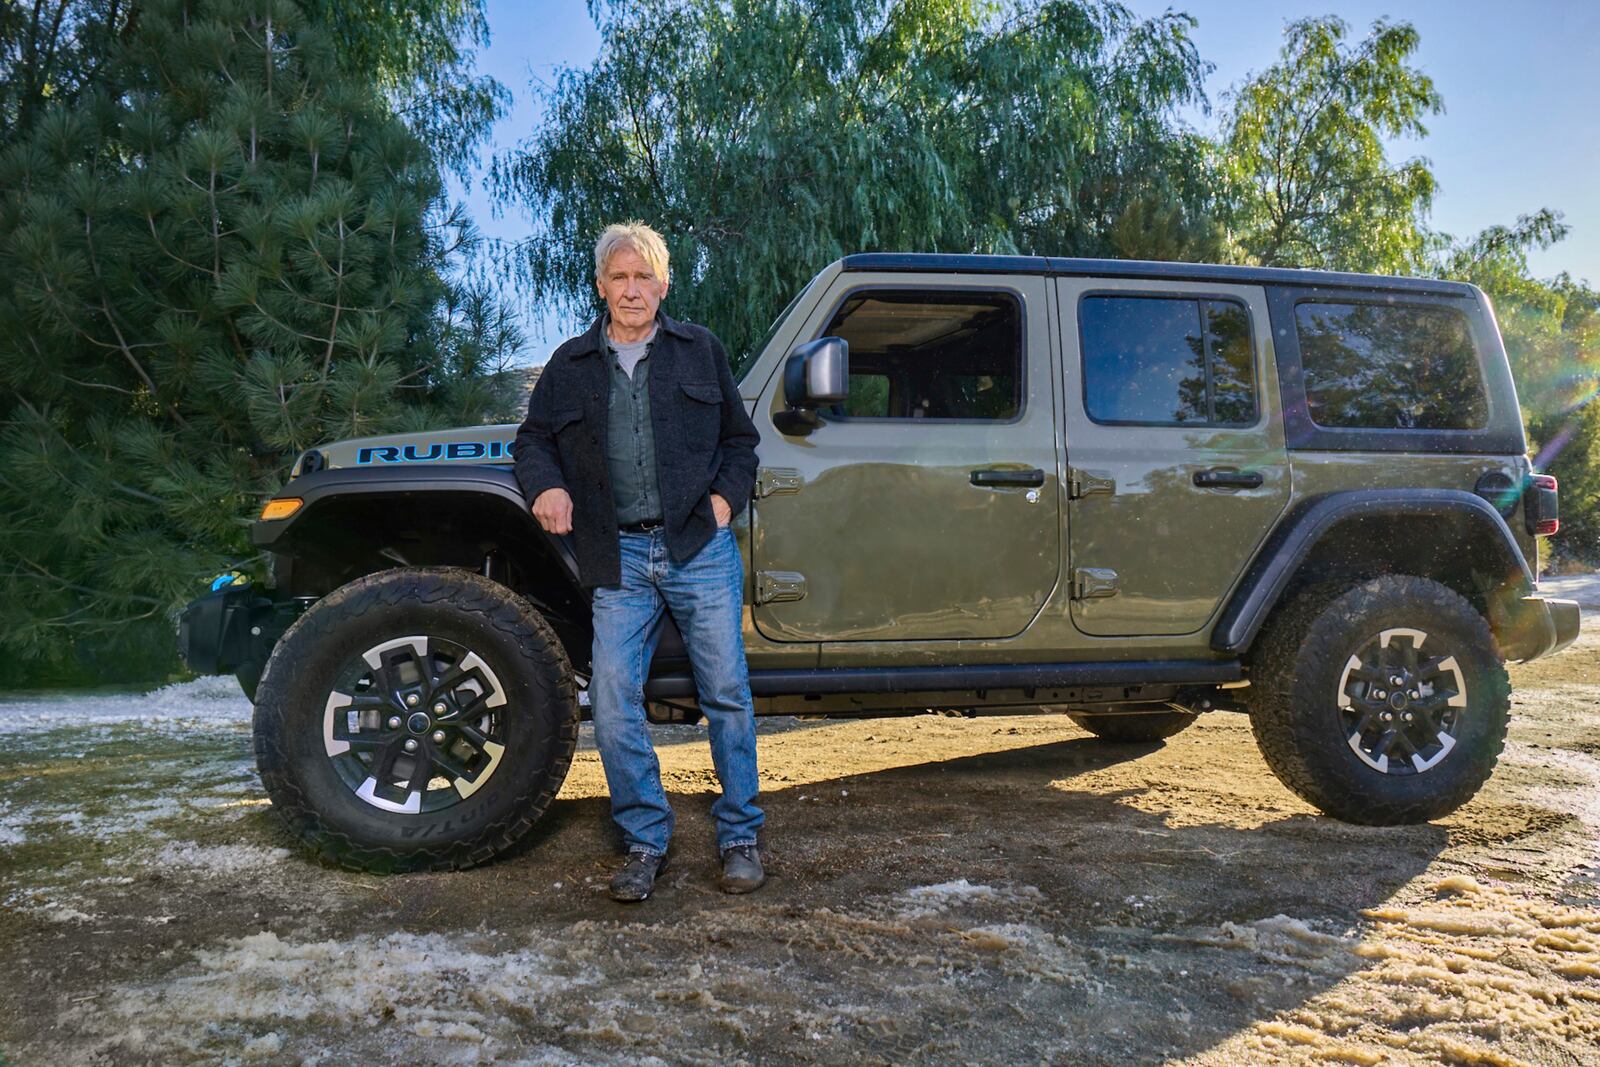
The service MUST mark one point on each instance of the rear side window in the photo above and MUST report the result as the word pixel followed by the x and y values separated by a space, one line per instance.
pixel 1167 361
pixel 931 354
pixel 1390 367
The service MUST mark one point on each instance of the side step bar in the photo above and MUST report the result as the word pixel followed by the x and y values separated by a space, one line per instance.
pixel 983 676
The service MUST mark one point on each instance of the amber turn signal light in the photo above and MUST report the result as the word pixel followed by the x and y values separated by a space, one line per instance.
pixel 281 509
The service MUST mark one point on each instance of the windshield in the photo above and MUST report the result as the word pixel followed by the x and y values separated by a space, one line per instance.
pixel 750 357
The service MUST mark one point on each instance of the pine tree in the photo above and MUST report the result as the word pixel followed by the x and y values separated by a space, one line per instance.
pixel 227 251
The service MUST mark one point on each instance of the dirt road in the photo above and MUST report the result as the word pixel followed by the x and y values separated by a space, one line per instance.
pixel 999 890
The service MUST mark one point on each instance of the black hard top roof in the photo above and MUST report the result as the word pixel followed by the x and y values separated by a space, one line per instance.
pixel 937 262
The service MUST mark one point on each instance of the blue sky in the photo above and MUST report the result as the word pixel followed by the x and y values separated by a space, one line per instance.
pixel 1520 81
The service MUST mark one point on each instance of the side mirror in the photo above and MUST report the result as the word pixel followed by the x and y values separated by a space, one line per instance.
pixel 816 373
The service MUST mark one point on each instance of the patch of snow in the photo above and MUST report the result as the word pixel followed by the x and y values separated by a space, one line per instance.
pixel 1279 938
pixel 445 990
pixel 12 825
pixel 926 900
pixel 215 700
pixel 218 859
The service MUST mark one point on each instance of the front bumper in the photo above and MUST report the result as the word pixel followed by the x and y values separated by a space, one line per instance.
pixel 1537 626
pixel 234 627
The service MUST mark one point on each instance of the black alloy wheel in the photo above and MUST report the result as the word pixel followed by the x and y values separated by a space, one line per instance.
pixel 1400 706
pixel 413 724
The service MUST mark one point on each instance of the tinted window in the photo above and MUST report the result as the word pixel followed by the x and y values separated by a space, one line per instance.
pixel 932 355
pixel 1393 367
pixel 1167 361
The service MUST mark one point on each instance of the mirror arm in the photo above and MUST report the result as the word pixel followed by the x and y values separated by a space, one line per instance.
pixel 796 422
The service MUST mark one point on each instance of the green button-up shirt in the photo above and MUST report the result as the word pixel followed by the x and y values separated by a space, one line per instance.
pixel 630 440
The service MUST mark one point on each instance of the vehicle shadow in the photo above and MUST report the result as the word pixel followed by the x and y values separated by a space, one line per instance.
pixel 1160 933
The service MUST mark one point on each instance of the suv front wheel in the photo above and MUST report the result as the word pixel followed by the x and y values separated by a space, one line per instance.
pixel 1382 704
pixel 415 719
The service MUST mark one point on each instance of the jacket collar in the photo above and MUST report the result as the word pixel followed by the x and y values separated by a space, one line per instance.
pixel 592 340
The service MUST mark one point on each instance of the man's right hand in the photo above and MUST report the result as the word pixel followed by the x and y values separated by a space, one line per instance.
pixel 553 509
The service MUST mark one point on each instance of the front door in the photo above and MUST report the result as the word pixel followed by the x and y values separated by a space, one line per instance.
pixel 1176 461
pixel 926 506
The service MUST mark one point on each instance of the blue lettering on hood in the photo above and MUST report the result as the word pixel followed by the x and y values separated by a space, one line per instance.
pixel 428 452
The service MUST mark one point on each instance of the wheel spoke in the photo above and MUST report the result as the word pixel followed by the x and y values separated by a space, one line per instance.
pixel 451 767
pixel 383 766
pixel 421 771
pixel 1385 743
pixel 470 734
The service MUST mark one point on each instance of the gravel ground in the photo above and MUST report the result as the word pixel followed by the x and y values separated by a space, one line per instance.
pixel 945 890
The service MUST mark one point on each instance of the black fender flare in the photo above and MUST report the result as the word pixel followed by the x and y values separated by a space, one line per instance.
pixel 320 488
pixel 1278 560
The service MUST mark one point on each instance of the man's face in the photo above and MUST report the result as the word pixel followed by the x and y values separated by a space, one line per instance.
pixel 631 289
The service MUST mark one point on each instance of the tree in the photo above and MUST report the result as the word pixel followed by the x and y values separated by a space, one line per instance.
pixel 418 54
pixel 1552 336
pixel 1309 181
pixel 226 251
pixel 765 138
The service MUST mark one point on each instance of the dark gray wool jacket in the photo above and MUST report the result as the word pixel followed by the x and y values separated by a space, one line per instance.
pixel 705 442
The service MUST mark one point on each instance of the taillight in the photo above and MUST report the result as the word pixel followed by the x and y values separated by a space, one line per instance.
pixel 1541 505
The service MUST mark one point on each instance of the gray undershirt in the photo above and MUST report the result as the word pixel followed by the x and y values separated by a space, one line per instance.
pixel 629 355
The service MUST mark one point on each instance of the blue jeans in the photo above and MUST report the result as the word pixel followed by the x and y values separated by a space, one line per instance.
pixel 706 599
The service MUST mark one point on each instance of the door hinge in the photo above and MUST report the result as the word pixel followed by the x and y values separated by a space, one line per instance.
pixel 1081 483
pixel 1090 583
pixel 773 586
pixel 770 480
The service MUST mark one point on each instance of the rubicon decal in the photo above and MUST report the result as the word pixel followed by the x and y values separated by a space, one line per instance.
pixel 428 453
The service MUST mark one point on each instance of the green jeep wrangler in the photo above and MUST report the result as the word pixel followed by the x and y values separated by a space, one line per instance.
pixel 1132 492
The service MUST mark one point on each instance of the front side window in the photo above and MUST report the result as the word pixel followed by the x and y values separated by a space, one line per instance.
pixel 931 354
pixel 1390 367
pixel 1167 361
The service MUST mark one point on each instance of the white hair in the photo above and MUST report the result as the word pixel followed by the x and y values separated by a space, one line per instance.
pixel 637 236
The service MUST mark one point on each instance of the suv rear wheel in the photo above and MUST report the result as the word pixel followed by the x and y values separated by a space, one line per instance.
pixel 415 719
pixel 1382 704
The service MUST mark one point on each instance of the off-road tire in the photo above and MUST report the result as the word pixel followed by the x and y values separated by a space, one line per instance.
pixel 1134 727
pixel 1296 674
pixel 540 720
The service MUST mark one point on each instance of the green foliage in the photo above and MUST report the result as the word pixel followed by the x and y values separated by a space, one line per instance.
pixel 227 251
pixel 765 138
pixel 1552 335
pixel 417 54
pixel 1308 181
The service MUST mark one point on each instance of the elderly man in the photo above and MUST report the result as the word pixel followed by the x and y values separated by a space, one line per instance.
pixel 638 444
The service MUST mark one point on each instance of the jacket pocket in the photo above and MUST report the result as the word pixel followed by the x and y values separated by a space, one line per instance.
pixel 701 413
pixel 705 392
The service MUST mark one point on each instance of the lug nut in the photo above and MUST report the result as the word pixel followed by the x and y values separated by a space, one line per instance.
pixel 440 708
pixel 411 745
pixel 1407 716
pixel 1380 695
pixel 438 737
pixel 1386 717
pixel 394 722
pixel 412 699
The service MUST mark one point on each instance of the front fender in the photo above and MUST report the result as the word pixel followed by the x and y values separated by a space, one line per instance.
pixel 413 490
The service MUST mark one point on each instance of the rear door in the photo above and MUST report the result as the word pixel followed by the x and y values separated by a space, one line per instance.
pixel 926 506
pixel 1175 449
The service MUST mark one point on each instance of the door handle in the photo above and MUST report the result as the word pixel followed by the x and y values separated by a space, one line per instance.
pixel 1217 478
pixel 1034 477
